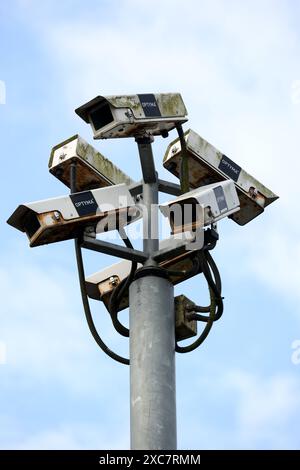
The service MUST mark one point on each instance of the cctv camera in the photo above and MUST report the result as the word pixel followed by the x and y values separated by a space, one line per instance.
pixel 93 169
pixel 100 285
pixel 66 217
pixel 201 207
pixel 209 165
pixel 133 115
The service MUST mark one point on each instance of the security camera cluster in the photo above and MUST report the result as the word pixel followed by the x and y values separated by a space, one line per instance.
pixel 108 199
pixel 225 189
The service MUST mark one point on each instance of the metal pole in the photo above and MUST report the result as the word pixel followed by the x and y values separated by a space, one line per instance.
pixel 150 220
pixel 152 344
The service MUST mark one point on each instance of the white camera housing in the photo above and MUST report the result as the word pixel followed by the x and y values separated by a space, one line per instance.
pixel 201 207
pixel 100 285
pixel 66 217
pixel 208 165
pixel 93 169
pixel 133 115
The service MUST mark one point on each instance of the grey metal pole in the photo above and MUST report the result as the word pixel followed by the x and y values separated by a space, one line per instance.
pixel 152 364
pixel 150 220
pixel 152 344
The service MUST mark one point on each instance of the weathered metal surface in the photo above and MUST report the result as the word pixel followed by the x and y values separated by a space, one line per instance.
pixel 112 249
pixel 170 104
pixel 169 188
pixel 99 288
pixel 202 206
pixel 184 328
pixel 170 251
pixel 207 165
pixel 53 229
pixel 63 218
pixel 93 169
pixel 128 117
pixel 178 244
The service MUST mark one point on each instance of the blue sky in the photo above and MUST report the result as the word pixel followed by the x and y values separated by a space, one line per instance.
pixel 237 67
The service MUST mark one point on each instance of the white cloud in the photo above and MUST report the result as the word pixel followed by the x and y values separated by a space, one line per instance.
pixel 44 327
pixel 73 435
pixel 208 52
pixel 278 263
pixel 2 92
pixel 295 92
pixel 267 410
pixel 2 353
pixel 295 356
pixel 268 253
pixel 51 348
pixel 242 410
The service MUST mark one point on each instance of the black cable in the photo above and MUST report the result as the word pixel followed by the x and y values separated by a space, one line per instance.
pixel 207 264
pixel 216 287
pixel 84 296
pixel 184 164
pixel 115 300
pixel 198 308
pixel 120 290
pixel 215 271
pixel 124 237
pixel 73 177
pixel 205 332
pixel 87 309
